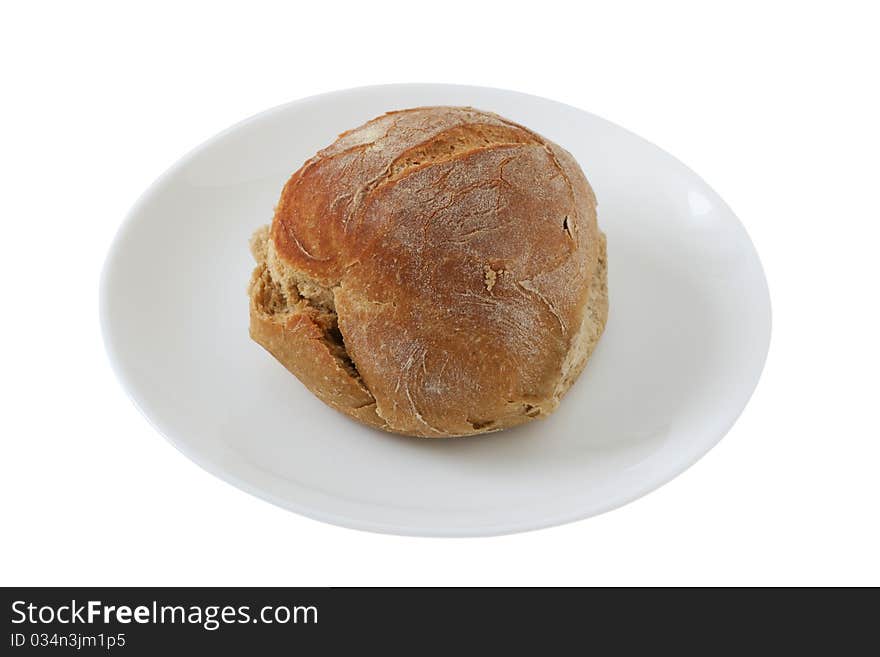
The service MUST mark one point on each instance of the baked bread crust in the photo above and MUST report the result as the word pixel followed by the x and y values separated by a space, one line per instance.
pixel 435 272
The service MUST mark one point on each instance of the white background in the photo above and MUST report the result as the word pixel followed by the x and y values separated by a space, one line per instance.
pixel 774 104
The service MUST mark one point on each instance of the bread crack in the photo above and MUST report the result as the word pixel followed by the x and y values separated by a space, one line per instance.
pixel 566 227
pixel 278 290
pixel 480 424
pixel 336 342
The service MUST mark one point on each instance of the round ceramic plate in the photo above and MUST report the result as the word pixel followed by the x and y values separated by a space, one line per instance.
pixel 686 339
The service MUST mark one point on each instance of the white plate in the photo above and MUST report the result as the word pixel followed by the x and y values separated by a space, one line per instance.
pixel 686 340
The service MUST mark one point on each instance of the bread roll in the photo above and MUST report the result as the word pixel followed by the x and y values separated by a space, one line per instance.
pixel 436 272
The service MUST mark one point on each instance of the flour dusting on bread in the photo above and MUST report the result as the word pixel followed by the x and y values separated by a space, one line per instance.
pixel 436 272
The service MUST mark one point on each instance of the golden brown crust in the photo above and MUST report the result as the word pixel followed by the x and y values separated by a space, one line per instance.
pixel 435 272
